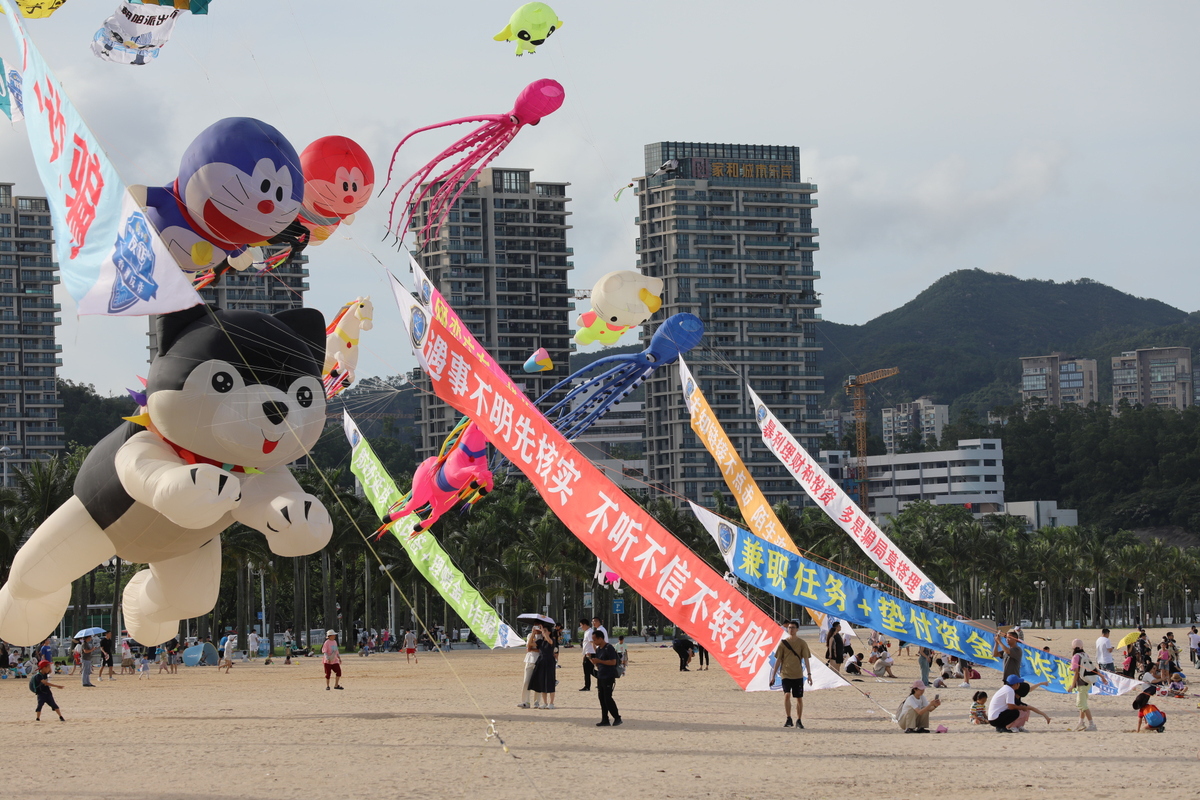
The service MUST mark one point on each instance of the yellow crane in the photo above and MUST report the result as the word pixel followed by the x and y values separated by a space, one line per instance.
pixel 856 387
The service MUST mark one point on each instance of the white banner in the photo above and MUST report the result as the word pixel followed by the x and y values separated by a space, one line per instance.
pixel 830 498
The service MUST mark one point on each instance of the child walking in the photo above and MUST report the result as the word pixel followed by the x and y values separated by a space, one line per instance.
pixel 40 686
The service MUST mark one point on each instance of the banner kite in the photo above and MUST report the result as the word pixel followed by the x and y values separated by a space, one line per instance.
pixel 10 105
pixel 135 34
pixel 112 260
pixel 796 579
pixel 829 497
pixel 427 555
pixel 649 559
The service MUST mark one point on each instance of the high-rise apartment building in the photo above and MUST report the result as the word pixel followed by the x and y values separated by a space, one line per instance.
pixel 1059 380
pixel 502 262
pixel 1158 376
pixel 29 361
pixel 921 415
pixel 730 233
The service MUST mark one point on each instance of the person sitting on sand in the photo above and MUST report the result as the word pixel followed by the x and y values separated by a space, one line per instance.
pixel 979 708
pixel 1178 686
pixel 914 713
pixel 881 663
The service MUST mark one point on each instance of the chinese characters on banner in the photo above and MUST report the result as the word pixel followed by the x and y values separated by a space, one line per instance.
pixel 755 509
pixel 796 579
pixel 617 530
pixel 426 554
pixel 112 260
pixel 834 502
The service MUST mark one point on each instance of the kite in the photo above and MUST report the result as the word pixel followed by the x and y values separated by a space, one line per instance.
pixel 341 345
pixel 539 361
pixel 667 168
pixel 232 398
pixel 36 9
pixel 537 100
pixel 194 6
pixel 135 34
pixel 239 184
pixel 529 26
pixel 338 180
pixel 620 301
pixel 458 473
pixel 619 375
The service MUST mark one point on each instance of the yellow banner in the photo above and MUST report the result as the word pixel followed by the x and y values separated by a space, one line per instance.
pixel 757 512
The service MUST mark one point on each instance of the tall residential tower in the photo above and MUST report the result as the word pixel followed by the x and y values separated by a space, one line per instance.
pixel 502 261
pixel 29 360
pixel 730 232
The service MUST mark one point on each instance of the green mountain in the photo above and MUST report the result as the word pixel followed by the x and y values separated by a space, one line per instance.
pixel 959 341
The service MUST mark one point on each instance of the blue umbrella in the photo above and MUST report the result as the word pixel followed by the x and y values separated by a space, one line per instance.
pixel 88 632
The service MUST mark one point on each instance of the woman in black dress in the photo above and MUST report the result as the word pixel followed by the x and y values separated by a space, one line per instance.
pixel 545 673
pixel 835 647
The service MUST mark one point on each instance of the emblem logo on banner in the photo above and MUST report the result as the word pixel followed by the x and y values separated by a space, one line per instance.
pixel 134 259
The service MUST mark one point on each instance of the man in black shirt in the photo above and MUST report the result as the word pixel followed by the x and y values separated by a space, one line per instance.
pixel 605 661
pixel 106 655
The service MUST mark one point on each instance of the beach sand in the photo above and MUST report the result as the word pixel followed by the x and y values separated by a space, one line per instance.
pixel 418 730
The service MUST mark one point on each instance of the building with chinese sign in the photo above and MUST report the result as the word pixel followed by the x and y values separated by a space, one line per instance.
pixel 501 260
pixel 29 360
pixel 730 232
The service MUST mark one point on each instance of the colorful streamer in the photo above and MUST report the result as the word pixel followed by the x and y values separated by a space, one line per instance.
pixel 796 579
pixel 427 555
pixel 830 498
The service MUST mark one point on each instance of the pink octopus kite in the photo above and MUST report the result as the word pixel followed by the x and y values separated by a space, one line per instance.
pixel 539 99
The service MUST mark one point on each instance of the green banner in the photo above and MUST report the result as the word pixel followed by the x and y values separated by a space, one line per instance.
pixel 426 554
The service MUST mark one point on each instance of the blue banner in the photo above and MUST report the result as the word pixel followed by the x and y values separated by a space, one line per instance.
pixel 791 577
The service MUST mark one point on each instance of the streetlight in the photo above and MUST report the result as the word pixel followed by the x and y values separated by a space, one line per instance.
pixel 1040 585
pixel 1187 604
pixel 1141 614
pixel 385 569
pixel 1091 590
pixel 6 453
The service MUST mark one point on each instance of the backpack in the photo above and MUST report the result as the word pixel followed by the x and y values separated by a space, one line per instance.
pixel 1156 719
pixel 1087 669
pixel 33 682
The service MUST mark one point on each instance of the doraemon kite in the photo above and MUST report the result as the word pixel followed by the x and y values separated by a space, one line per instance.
pixel 231 399
pixel 239 184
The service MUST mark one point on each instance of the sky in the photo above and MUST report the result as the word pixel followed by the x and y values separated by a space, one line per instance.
pixel 1042 140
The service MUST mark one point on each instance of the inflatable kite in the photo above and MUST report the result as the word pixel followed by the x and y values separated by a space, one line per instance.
pixel 36 9
pixel 135 34
pixel 338 180
pixel 537 100
pixel 539 362
pixel 529 26
pixel 620 301
pixel 231 399
pixel 239 184
pixel 341 345
pixel 459 473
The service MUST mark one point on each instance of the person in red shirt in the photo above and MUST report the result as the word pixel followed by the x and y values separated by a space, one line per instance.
pixel 332 660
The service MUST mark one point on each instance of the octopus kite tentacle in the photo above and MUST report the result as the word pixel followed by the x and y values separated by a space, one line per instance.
pixel 474 151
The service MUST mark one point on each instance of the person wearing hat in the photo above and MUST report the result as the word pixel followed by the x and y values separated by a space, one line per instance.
pixel 331 660
pixel 1081 684
pixel 40 686
pixel 914 714
pixel 1004 713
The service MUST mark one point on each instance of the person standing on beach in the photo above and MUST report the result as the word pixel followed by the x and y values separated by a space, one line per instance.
pixel 229 648
pixel 410 648
pixel 1081 684
pixel 106 656
pixel 331 659
pixel 792 665
pixel 1009 646
pixel 251 645
pixel 1194 645
pixel 589 649
pixel 1104 652
pixel 605 660
pixel 85 656
pixel 40 686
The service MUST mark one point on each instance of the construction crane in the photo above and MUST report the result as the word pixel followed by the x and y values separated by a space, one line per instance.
pixel 856 387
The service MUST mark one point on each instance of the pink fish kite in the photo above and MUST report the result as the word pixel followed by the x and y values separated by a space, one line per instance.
pixel 474 151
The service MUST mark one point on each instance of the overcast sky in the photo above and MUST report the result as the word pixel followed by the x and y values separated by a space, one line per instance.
pixel 1040 140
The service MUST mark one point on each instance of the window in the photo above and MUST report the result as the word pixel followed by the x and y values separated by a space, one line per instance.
pixel 1161 373
pixel 1124 376
pixel 1033 383
pixel 510 182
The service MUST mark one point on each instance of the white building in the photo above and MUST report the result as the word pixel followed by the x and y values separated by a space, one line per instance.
pixel 1040 514
pixel 921 415
pixel 971 476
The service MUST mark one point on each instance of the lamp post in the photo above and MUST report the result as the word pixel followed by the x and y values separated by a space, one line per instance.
pixel 1187 604
pixel 1141 614
pixel 385 569
pixel 1040 586
pixel 1091 590
pixel 6 453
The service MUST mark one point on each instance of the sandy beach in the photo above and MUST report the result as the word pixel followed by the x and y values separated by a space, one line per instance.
pixel 418 730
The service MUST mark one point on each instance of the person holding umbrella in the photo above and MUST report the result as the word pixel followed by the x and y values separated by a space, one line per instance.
pixel 85 656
